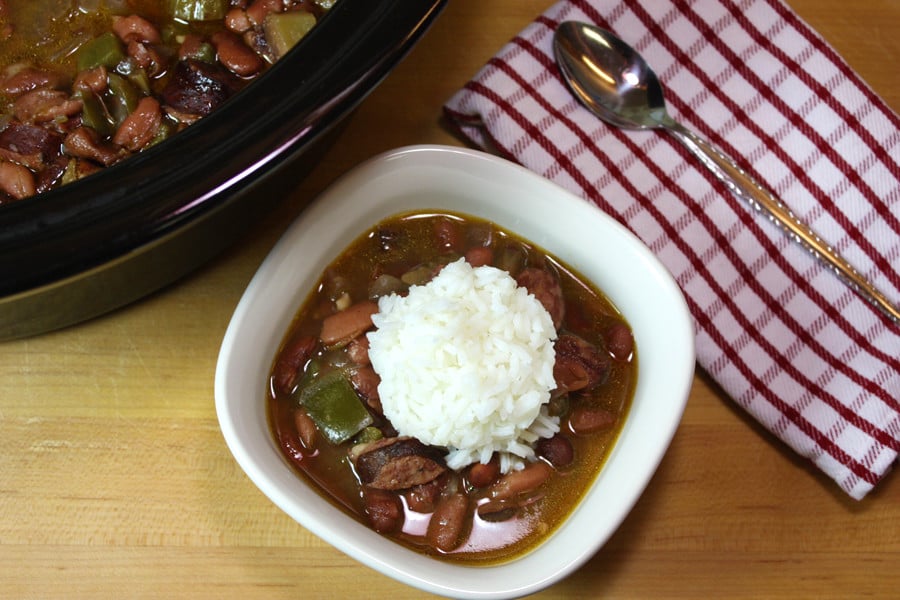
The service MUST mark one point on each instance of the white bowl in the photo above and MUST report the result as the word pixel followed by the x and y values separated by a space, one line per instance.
pixel 438 177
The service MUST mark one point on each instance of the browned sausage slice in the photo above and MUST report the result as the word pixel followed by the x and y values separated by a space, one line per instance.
pixel 399 463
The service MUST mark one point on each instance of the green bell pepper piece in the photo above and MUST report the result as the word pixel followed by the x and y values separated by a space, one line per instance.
pixel 334 406
pixel 105 49
pixel 94 115
pixel 198 10
pixel 368 435
pixel 123 97
pixel 165 131
pixel 71 172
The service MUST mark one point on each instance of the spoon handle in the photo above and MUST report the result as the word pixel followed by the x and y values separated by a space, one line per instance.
pixel 744 186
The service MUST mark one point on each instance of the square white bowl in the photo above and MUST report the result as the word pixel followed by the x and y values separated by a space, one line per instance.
pixel 482 185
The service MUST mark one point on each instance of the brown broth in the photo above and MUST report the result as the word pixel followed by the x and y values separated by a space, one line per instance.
pixel 397 246
pixel 48 33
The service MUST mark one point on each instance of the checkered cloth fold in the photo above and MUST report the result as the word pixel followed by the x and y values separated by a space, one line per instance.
pixel 784 337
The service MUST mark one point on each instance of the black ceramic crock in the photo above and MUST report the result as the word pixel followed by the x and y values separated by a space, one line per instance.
pixel 99 243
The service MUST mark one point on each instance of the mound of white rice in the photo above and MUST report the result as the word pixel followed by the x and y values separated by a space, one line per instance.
pixel 466 362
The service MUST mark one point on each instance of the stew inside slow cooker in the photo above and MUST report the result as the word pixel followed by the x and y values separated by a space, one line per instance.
pixel 84 84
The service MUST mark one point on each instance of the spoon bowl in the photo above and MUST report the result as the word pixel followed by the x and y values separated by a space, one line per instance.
pixel 609 77
pixel 613 81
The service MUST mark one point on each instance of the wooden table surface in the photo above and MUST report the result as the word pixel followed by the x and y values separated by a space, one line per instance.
pixel 115 481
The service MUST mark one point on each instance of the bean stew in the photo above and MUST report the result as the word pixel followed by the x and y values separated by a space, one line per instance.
pixel 84 84
pixel 325 413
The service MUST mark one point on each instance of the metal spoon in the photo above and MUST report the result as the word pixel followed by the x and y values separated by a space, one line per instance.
pixel 616 84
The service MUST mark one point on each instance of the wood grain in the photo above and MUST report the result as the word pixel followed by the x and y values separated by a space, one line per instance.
pixel 115 481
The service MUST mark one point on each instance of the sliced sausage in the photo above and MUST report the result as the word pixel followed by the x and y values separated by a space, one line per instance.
pixel 579 364
pixel 544 286
pixel 29 145
pixel 399 463
pixel 198 88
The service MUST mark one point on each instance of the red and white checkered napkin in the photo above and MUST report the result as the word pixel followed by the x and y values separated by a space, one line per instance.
pixel 807 357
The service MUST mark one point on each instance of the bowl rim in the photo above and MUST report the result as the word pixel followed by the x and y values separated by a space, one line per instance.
pixel 87 223
pixel 385 185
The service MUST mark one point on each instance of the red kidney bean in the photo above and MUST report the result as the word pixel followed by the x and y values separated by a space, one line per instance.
pixel 365 381
pixel 236 55
pixel 511 260
pixel 496 511
pixel 84 142
pixel 480 256
pixel 289 363
pixel 258 10
pixel 422 498
pixel 190 46
pixel 306 429
pixel 28 79
pixel 16 180
pixel 484 474
pixel 588 419
pixel 619 341
pixel 44 104
pixel 135 28
pixel 445 528
pixel 358 350
pixel 557 450
pixel 343 326
pixel 236 20
pixel 146 56
pixel 93 80
pixel 291 448
pixel 383 509
pixel 141 126
pixel 447 235
pixel 523 481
